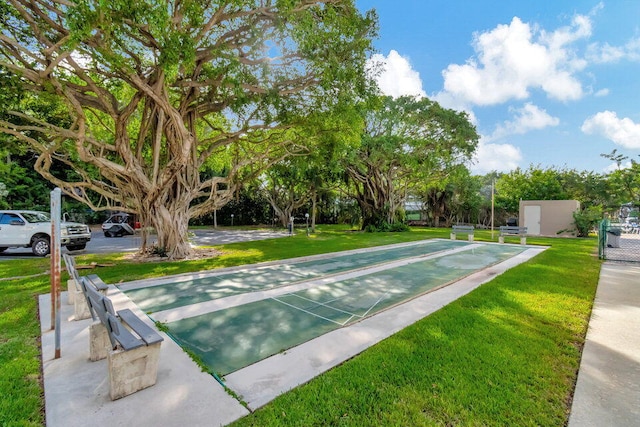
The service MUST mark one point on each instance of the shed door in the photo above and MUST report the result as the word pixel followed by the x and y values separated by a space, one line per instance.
pixel 532 219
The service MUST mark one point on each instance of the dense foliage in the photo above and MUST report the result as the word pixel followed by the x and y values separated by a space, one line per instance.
pixel 164 108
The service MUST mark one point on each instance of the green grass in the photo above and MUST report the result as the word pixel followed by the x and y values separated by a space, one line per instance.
pixel 506 354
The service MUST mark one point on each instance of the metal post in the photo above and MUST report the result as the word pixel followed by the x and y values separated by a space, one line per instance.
pixel 54 247
pixel 493 181
pixel 306 216
pixel 232 220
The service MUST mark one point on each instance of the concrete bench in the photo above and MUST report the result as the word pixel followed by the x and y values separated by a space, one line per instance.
pixel 131 347
pixel 509 230
pixel 75 295
pixel 458 229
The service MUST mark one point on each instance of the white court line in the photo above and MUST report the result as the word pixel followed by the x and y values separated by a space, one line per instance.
pixel 376 303
pixel 324 304
pixel 308 312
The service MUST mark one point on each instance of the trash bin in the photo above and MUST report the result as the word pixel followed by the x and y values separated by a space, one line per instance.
pixel 613 237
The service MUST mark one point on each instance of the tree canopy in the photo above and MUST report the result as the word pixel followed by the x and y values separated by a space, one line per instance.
pixel 406 142
pixel 138 96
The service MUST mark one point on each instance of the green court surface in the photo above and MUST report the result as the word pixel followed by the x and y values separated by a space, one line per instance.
pixel 230 339
pixel 183 292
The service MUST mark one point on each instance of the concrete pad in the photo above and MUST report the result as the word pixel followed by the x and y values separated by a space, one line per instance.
pixel 77 390
pixel 263 381
pixel 608 388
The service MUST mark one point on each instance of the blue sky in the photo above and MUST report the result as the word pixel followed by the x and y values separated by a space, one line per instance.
pixel 553 84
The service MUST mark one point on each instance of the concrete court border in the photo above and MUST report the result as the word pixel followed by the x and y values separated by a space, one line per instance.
pixel 76 390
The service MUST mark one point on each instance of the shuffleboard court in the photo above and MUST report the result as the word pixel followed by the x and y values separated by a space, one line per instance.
pixel 181 292
pixel 229 339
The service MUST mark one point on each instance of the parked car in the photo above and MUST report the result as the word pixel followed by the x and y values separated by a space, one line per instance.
pixel 118 225
pixel 631 225
pixel 23 229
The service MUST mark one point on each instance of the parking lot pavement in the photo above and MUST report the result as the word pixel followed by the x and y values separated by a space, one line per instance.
pixel 100 244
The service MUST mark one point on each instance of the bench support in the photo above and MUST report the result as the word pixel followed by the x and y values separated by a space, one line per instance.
pixel 453 235
pixel 469 236
pixel 133 370
pixel 76 298
pixel 80 308
pixel 523 240
pixel 72 290
pixel 99 343
pixel 129 370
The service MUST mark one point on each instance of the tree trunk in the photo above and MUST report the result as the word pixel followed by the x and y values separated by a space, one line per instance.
pixel 314 201
pixel 171 223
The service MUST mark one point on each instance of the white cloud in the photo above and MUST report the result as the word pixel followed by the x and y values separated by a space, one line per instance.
pixel 513 59
pixel 614 167
pixel 495 157
pixel 603 53
pixel 623 132
pixel 528 118
pixel 601 93
pixel 633 49
pixel 395 76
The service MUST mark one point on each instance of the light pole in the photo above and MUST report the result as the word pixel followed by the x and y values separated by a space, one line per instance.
pixel 232 220
pixel 306 216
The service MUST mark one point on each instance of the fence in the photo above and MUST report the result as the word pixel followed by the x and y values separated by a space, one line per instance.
pixel 619 242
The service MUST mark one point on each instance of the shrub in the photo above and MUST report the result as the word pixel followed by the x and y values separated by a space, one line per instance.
pixel 586 220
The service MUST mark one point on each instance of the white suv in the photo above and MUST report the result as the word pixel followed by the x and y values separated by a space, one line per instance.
pixel 23 229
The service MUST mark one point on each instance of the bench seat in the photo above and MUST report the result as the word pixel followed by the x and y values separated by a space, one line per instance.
pixel 131 346
pixel 468 229
pixel 509 230
pixel 144 331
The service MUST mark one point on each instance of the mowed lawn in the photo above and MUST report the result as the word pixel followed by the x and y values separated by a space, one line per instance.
pixel 505 354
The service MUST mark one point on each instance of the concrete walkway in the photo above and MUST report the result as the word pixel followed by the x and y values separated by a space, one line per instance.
pixel 608 388
pixel 77 390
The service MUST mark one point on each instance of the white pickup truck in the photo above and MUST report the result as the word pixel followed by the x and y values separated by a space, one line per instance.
pixel 24 229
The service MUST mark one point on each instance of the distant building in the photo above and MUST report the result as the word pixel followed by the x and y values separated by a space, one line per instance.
pixel 548 217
